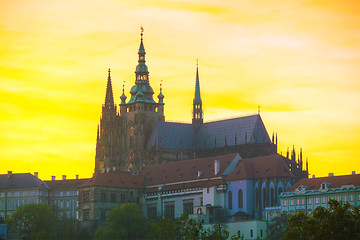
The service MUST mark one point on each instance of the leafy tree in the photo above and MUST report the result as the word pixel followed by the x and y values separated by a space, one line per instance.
pixel 164 229
pixel 123 222
pixel 66 229
pixel 278 227
pixel 339 221
pixel 34 221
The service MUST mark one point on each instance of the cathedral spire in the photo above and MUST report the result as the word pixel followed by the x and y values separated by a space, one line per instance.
pixel 109 98
pixel 142 73
pixel 197 119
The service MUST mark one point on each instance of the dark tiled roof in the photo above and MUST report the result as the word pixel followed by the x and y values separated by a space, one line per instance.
pixel 115 179
pixel 21 180
pixel 260 167
pixel 186 170
pixel 68 183
pixel 250 126
pixel 335 182
pixel 173 134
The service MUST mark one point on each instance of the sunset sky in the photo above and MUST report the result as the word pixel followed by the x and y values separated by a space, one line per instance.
pixel 298 60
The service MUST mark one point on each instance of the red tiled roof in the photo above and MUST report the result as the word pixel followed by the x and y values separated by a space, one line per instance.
pixel 335 182
pixel 115 179
pixel 68 183
pixel 185 170
pixel 260 167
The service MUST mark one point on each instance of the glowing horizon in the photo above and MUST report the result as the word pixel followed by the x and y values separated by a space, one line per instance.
pixel 298 60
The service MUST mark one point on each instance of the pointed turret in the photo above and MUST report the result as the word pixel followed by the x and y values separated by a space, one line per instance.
pixel 142 73
pixel 197 119
pixel 161 96
pixel 109 98
pixel 123 96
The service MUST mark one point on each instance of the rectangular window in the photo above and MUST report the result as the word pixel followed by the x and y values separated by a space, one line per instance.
pixel 169 210
pixel 351 198
pixel 291 202
pixel 103 215
pixel 323 200
pixel 86 215
pixel 188 207
pixel 251 233
pixel 122 197
pixel 309 201
pixel 338 198
pixel 303 201
pixel 103 197
pixel 345 198
pixel 113 197
pixel 151 211
pixel 284 203
pixel 316 200
pixel 202 203
pixel 86 196
pixel 298 202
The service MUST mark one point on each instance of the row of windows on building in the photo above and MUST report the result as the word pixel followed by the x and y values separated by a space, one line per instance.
pixel 23 194
pixel 316 200
pixel 13 204
pixel 64 194
pixel 64 203
pixel 169 209
pixel 112 197
pixel 240 199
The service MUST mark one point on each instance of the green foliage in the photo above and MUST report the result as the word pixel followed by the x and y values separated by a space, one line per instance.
pixel 83 234
pixel 187 228
pixel 339 221
pixel 66 229
pixel 278 227
pixel 34 221
pixel 124 222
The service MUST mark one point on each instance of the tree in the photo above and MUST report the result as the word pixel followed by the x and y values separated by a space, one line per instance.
pixel 278 227
pixel 339 221
pixel 34 221
pixel 123 222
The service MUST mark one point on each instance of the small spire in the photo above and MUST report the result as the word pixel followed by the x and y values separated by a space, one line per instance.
pixel 161 96
pixel 123 96
pixel 259 110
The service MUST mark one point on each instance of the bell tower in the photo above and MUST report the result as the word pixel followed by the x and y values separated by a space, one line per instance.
pixel 139 115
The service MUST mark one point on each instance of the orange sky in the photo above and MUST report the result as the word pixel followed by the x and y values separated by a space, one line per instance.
pixel 298 60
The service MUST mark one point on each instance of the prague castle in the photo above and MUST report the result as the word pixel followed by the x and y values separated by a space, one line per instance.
pixel 136 135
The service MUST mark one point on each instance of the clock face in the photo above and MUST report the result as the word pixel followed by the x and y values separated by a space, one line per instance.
pixel 132 131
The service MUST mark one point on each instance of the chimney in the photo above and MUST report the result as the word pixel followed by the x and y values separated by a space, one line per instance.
pixel 331 174
pixel 9 174
pixel 52 178
pixel 313 176
pixel 353 173
pixel 64 177
pixel 36 174
pixel 77 176
pixel 216 166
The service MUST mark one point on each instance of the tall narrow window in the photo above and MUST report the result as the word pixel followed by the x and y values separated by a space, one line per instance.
pixel 230 199
pixel 240 197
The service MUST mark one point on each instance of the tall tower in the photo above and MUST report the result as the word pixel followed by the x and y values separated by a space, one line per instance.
pixel 197 118
pixel 139 115
pixel 106 143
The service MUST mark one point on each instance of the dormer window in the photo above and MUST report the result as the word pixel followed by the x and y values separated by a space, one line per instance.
pixel 324 186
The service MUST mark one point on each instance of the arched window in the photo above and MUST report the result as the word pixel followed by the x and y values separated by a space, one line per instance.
pixel 240 198
pixel 230 199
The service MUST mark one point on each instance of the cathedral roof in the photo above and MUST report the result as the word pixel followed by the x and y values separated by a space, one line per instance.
pixel 260 167
pixel 237 131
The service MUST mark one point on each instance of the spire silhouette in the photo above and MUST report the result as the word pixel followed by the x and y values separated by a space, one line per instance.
pixel 109 98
